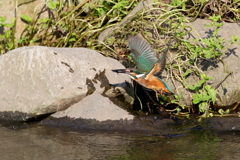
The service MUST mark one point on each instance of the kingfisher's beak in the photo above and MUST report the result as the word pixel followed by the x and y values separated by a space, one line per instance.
pixel 120 70
pixel 128 71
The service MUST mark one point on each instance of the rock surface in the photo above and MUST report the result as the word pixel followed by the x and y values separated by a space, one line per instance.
pixel 95 106
pixel 41 80
pixel 23 7
pixel 228 92
pixel 223 123
pixel 98 112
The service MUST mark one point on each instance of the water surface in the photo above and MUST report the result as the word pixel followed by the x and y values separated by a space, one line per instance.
pixel 29 141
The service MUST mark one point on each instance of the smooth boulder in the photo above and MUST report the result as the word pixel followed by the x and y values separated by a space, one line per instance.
pixel 40 80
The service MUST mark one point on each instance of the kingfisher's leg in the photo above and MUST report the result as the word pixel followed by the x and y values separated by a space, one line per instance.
pixel 148 105
pixel 159 92
pixel 157 95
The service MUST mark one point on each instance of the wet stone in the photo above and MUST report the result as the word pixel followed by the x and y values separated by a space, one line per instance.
pixel 223 123
pixel 161 127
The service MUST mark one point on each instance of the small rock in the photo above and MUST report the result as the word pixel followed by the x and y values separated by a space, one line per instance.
pixel 95 106
pixel 99 112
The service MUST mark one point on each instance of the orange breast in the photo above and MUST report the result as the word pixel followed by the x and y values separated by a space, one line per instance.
pixel 153 83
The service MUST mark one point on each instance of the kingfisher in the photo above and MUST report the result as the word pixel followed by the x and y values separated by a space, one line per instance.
pixel 149 67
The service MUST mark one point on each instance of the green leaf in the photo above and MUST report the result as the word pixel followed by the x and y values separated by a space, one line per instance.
pixel 220 111
pixel 206 41
pixel 177 96
pixel 204 76
pixel 162 97
pixel 200 119
pixel 10 45
pixel 8 33
pixel 9 25
pixel 13 20
pixel 33 40
pixel 52 5
pixel 175 66
pixel 129 57
pixel 234 39
pixel 210 115
pixel 100 12
pixel 207 53
pixel 183 106
pixel 196 99
pixel 211 92
pixel 178 109
pixel 197 86
pixel 203 107
pixel 21 40
pixel 26 18
pixel 44 26
pixel 191 87
pixel 202 96
pixel 215 18
pixel 199 83
pixel 177 3
pixel 227 111
pixel 219 24
pixel 2 19
pixel 120 4
pixel 44 20
pixel 187 73
pixel 72 40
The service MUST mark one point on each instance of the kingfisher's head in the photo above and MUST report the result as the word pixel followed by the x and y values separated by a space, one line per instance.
pixel 135 76
pixel 132 72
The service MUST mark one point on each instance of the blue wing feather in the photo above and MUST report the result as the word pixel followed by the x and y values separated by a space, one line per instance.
pixel 142 53
pixel 165 84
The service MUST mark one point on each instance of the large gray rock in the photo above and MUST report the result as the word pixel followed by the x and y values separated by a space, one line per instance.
pixel 228 92
pixel 41 80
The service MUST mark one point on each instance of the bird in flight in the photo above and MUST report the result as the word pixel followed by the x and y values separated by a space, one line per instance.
pixel 148 67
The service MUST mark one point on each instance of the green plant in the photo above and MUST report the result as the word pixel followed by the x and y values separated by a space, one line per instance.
pixel 222 112
pixel 203 99
pixel 228 10
pixel 209 48
pixel 7 38
pixel 74 26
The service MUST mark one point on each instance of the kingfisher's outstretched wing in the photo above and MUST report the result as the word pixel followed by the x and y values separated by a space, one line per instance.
pixel 142 53
pixel 159 66
pixel 161 63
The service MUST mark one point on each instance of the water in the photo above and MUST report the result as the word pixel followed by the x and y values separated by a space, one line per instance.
pixel 33 142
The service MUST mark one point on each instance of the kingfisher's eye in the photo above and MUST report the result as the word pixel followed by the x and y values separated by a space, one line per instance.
pixel 129 70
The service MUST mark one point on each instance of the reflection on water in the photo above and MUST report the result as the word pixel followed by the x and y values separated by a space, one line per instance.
pixel 32 142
